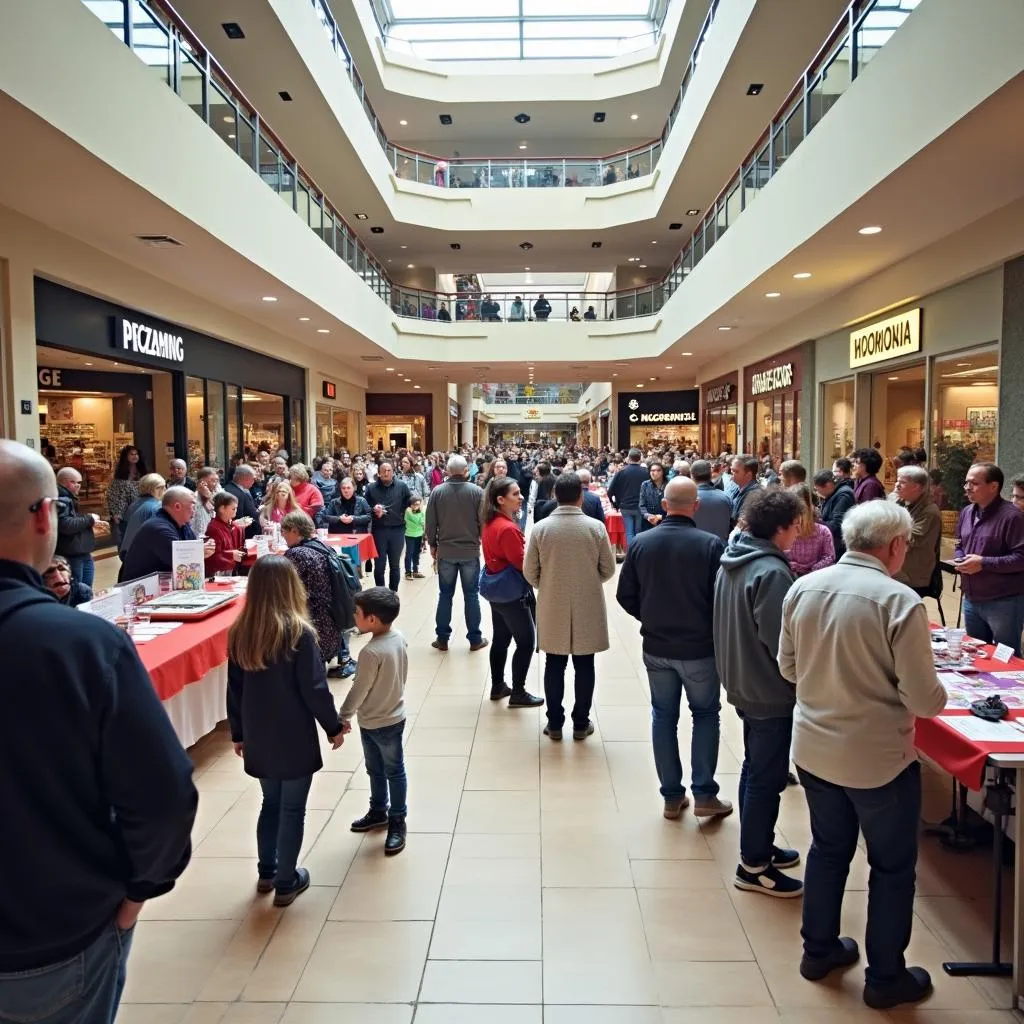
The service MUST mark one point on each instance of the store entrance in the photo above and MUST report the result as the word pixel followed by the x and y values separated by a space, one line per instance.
pixel 897 415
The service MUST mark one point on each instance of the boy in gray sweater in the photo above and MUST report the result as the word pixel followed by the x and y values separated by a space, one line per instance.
pixel 377 694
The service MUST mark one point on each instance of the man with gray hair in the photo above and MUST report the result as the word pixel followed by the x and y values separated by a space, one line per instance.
pixel 75 537
pixel 856 644
pixel 591 502
pixel 152 548
pixel 920 570
pixel 177 475
pixel 453 536
pixel 240 486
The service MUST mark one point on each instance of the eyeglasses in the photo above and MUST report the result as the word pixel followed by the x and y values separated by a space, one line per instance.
pixel 37 505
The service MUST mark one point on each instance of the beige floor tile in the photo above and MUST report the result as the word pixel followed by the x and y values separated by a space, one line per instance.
pixel 492 939
pixel 142 1013
pixel 477 981
pixel 451 1013
pixel 576 924
pixel 232 972
pixel 214 888
pixel 722 1015
pixel 675 874
pixel 497 871
pixel 711 984
pixel 499 812
pixel 927 1015
pixel 601 982
pixel 444 742
pixel 347 1013
pixel 495 846
pixel 576 857
pixel 720 936
pixel 329 858
pixel 327 789
pixel 603 1015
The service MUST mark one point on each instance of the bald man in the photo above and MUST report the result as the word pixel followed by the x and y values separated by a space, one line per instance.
pixel 75 537
pixel 151 549
pixel 668 583
pixel 97 793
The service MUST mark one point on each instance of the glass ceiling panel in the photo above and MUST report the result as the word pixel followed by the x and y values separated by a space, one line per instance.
pixel 586 8
pixel 429 10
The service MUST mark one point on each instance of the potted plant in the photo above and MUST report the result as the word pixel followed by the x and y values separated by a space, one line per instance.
pixel 953 460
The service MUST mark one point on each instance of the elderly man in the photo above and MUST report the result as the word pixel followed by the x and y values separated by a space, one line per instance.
pixel 744 477
pixel 453 536
pixel 837 498
pixel 680 467
pixel 240 486
pixel 668 583
pixel 856 644
pixel 92 834
pixel 713 512
pixel 1018 492
pixel 922 560
pixel 989 556
pixel 177 475
pixel 151 549
pixel 591 502
pixel 75 537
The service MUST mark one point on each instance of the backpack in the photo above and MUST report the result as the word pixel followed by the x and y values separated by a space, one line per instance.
pixel 341 573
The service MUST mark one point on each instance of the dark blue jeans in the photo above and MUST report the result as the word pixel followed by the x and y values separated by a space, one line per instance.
pixel 448 574
pixel 766 743
pixel 390 541
pixel 83 568
pixel 279 828
pixel 385 764
pixel 631 520
pixel 996 622
pixel 888 817
pixel 512 620
pixel 554 688
pixel 83 990
pixel 413 546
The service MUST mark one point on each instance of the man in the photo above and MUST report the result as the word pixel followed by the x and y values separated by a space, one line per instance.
pixel 624 493
pixel 1018 492
pixel 837 499
pixel 867 487
pixel 542 308
pixel 842 470
pixel 388 499
pixel 744 478
pixel 240 486
pixel 323 478
pixel 453 536
pixel 754 578
pixel 856 644
pixel 922 557
pixel 93 832
pixel 542 470
pixel 151 549
pixel 568 559
pixel 680 467
pixel 989 555
pixel 713 512
pixel 591 502
pixel 177 475
pixel 668 583
pixel 793 473
pixel 75 537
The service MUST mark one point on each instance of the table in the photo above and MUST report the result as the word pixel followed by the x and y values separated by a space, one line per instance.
pixel 616 528
pixel 364 544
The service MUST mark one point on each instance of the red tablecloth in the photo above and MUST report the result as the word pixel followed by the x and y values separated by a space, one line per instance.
pixel 615 527
pixel 366 546
pixel 965 758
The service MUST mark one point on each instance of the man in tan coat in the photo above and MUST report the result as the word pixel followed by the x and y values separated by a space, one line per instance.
pixel 915 496
pixel 567 560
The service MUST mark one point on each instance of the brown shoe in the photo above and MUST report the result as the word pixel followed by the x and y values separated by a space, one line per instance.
pixel 440 645
pixel 674 808
pixel 713 808
pixel 418 576
pixel 480 646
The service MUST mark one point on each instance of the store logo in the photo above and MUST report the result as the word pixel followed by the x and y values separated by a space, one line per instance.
pixel 665 417
pixel 149 341
pixel 634 404
pixel 532 414
pixel 719 393
pixel 776 378
pixel 897 336
pixel 633 418
pixel 49 378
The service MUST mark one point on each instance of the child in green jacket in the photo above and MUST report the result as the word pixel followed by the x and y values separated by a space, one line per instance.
pixel 415 527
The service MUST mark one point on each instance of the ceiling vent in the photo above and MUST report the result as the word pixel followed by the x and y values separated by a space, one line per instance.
pixel 233 30
pixel 675 226
pixel 285 95
pixel 754 89
pixel 375 230
pixel 526 246
pixel 445 119
pixel 372 359
pixel 159 241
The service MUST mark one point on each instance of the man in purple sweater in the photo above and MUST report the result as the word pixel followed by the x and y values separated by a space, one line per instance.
pixel 866 464
pixel 990 558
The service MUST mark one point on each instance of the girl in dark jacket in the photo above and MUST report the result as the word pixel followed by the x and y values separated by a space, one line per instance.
pixel 277 693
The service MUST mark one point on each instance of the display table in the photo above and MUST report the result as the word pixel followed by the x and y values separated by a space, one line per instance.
pixel 616 528
pixel 360 545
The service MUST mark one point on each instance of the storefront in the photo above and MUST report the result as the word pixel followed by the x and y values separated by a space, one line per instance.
pixel 337 428
pixel 771 391
pixel 720 415
pixel 396 421
pixel 197 397
pixel 650 419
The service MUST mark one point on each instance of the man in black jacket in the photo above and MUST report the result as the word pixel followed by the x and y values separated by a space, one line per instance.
pixel 241 487
pixel 542 308
pixel 348 513
pixel 96 791
pixel 668 583
pixel 75 538
pixel 624 493
pixel 837 498
pixel 388 499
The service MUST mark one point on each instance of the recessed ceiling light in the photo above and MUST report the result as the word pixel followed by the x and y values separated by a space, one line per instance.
pixel 725 328
pixel 981 384
pixel 389 369
pixel 403 247
pixel 417 386
pixel 639 385
pixel 772 295
pixel 668 367
pixel 686 353
pixel 323 330
pixel 304 318
pixel 377 230
pixel 754 89
pixel 963 364
pixel 231 136
pixel 802 276
pixel 643 266
pixel 403 123
pixel 408 380
pixel 232 30
pixel 692 212
pixel 615 375
pixel 526 268
pixel 269 298
pixel 87 363
pixel 634 117
pixel 522 118
pixel 675 226
pixel 522 145
pixel 117 364
pixel 653 378
pixel 410 266
pixel 894 378
pixel 455 245
pixel 871 229
pixel 595 245
pixel 229 118
pixel 362 216
pixel 654 241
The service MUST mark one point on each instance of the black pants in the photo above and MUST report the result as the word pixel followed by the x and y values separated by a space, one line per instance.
pixel 390 541
pixel 766 743
pixel 512 620
pixel 554 688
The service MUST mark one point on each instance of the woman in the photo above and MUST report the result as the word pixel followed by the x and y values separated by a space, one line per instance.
pixel 310 560
pixel 813 547
pixel 207 486
pixel 228 539
pixel 503 549
pixel 145 506
pixel 279 502
pixel 652 491
pixel 348 513
pixel 124 488
pixel 574 315
pixel 544 503
pixel 499 468
pixel 413 479
pixel 359 479
pixel 277 693
pixel 307 494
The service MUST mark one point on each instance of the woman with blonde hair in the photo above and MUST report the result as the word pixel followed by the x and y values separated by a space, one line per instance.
pixel 307 494
pixel 813 547
pixel 277 693
pixel 279 501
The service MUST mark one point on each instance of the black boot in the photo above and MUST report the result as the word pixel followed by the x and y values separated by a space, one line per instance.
pixel 369 821
pixel 395 842
pixel 522 698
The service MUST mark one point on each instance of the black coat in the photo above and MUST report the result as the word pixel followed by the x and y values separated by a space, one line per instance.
pixel 151 549
pixel 356 507
pixel 834 509
pixel 74 531
pixel 274 713
pixel 624 489
pixel 395 497
pixel 246 507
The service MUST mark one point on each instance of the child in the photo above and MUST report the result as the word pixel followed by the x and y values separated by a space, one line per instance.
pixel 227 536
pixel 277 692
pixel 377 694
pixel 415 527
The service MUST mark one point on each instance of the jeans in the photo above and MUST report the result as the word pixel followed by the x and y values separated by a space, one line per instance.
pixel 382 752
pixel 524 514
pixel 888 817
pixel 554 688
pixel 343 651
pixel 83 990
pixel 631 521
pixel 279 828
pixel 390 541
pixel 668 677
pixel 996 622
pixel 413 546
pixel 448 574
pixel 83 568
pixel 512 620
pixel 766 743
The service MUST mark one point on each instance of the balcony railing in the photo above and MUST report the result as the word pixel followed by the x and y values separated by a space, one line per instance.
pixel 501 307
pixel 532 394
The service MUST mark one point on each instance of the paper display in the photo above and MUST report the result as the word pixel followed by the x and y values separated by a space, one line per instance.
pixel 975 728
pixel 108 607
pixel 136 591
pixel 1003 653
pixel 262 546
pixel 187 562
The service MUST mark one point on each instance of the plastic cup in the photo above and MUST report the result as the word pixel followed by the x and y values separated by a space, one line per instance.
pixel 955 643
pixel 322 534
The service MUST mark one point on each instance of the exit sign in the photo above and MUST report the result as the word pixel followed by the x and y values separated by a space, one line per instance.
pixel 330 389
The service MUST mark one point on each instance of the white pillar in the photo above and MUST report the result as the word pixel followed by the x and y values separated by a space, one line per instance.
pixel 466 415
pixel 18 381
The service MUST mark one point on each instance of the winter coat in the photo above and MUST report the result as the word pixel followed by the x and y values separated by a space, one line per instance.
pixel 74 531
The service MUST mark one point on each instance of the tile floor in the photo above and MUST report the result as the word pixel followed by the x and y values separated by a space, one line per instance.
pixel 540 884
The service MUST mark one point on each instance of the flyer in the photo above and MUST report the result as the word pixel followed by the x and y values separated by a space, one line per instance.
pixel 187 563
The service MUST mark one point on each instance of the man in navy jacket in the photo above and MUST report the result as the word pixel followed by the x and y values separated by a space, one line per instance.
pixel 151 549
pixel 96 790
pixel 624 493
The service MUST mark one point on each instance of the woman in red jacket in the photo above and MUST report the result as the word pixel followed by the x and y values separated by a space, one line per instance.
pixel 307 494
pixel 228 539
pixel 504 546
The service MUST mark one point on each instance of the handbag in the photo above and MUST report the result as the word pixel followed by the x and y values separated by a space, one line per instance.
pixel 502 587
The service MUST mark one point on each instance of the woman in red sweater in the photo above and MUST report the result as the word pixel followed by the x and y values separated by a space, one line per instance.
pixel 504 546
pixel 307 494
pixel 228 539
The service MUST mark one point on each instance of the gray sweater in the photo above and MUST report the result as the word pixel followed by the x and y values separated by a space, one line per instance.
pixel 453 520
pixel 378 687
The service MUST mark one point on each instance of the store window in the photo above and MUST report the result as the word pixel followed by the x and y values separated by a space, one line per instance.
pixel 966 402
pixel 837 403
pixel 772 416
pixel 262 420
pixel 897 414
pixel 392 433
pixel 195 424
pixel 215 439
pixel 336 430
pixel 234 417
pixel 297 431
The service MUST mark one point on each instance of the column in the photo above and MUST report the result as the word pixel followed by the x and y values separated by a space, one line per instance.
pixel 466 416
pixel 18 380
pixel 1010 438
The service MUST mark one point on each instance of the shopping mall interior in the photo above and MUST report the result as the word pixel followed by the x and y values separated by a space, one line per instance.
pixel 379 226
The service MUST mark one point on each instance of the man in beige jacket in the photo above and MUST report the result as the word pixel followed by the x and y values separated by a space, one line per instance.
pixel 568 559
pixel 856 644
pixel 914 494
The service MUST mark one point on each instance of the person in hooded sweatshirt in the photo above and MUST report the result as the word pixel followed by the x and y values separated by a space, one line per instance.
pixel 753 580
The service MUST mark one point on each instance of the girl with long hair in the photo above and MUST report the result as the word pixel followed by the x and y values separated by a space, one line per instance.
pixel 124 488
pixel 277 693
pixel 279 501
pixel 814 547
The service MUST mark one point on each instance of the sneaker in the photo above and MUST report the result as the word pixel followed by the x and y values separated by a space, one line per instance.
pixel 286 897
pixel 418 576
pixel 480 644
pixel 265 885
pixel 814 968
pixel 440 645
pixel 674 808
pixel 524 699
pixel 408 575
pixel 768 880
pixel 395 842
pixel 369 821
pixel 348 669
pixel 554 734
pixel 501 693
pixel 711 808
pixel 582 734
pixel 785 858
pixel 915 984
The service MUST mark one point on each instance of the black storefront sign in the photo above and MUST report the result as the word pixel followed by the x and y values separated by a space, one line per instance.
pixel 652 409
